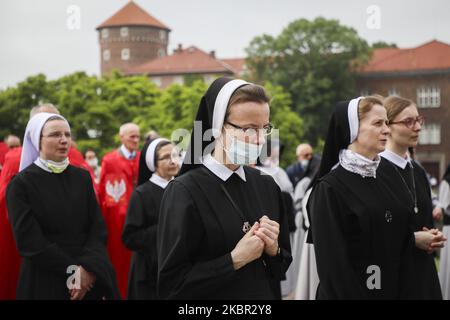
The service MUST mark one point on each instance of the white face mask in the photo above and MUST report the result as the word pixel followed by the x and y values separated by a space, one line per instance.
pixel 242 153
pixel 304 163
pixel 93 163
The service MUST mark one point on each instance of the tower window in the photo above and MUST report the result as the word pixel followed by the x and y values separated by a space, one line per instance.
pixel 105 33
pixel 106 55
pixel 124 32
pixel 125 54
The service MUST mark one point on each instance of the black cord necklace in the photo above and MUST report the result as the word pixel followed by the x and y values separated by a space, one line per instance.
pixel 413 194
pixel 246 225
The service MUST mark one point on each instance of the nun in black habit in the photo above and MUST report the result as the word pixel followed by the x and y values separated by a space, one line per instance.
pixel 222 232
pixel 57 223
pixel 362 233
pixel 159 164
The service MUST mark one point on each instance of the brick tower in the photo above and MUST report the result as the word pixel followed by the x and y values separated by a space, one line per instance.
pixel 131 37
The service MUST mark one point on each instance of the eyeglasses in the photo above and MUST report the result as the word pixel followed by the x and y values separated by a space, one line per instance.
pixel 173 157
pixel 251 132
pixel 410 122
pixel 58 135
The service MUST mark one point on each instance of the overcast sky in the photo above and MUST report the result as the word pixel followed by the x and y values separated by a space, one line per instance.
pixel 34 36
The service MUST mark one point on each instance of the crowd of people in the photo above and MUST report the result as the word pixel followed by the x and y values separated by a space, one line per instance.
pixel 222 219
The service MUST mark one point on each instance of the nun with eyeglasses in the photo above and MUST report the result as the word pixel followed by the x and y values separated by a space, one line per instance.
pixel 158 164
pixel 361 231
pixel 222 231
pixel 56 220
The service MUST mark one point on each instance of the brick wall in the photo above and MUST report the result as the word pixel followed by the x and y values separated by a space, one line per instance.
pixel 144 44
pixel 435 157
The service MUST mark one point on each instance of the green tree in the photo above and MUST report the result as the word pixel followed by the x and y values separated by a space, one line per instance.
pixel 174 109
pixel 16 102
pixel 382 44
pixel 289 123
pixel 314 62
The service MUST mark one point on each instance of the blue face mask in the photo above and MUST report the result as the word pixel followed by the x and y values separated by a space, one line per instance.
pixel 242 153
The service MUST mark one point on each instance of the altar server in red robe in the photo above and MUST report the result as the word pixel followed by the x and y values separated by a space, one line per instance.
pixel 117 181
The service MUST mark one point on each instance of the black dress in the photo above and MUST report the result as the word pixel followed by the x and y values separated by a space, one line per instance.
pixel 425 273
pixel 139 235
pixel 199 228
pixel 358 226
pixel 57 223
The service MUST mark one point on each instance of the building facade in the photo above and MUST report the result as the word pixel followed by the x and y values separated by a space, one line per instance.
pixel 135 43
pixel 421 74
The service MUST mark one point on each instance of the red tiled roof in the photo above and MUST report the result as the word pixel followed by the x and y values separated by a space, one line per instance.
pixel 132 15
pixel 184 61
pixel 433 55
pixel 237 64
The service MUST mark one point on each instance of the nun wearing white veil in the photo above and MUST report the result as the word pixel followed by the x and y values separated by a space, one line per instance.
pixel 160 164
pixel 56 221
pixel 222 232
pixel 362 233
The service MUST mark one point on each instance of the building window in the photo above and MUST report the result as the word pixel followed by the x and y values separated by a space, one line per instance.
pixel 124 32
pixel 125 54
pixel 178 80
pixel 162 35
pixel 105 33
pixel 393 92
pixel 429 97
pixel 430 134
pixel 364 92
pixel 156 80
pixel 106 55
pixel 161 53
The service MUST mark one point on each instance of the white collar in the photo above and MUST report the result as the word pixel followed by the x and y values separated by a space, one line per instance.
pixel 395 158
pixel 41 165
pixel 128 155
pixel 220 170
pixel 356 163
pixel 156 179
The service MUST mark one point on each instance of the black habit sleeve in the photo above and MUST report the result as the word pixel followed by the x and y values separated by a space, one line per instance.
pixel 182 274
pixel 137 234
pixel 94 256
pixel 338 279
pixel 31 241
pixel 279 264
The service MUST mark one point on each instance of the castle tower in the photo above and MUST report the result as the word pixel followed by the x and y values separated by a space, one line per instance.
pixel 131 37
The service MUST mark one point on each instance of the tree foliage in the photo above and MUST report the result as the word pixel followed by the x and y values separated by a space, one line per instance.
pixel 314 62
pixel 96 107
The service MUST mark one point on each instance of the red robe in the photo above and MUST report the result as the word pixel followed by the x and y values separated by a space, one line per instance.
pixel 3 151
pixel 118 178
pixel 9 256
pixel 76 159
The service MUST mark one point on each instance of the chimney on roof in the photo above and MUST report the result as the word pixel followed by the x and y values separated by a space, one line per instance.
pixel 212 54
pixel 179 49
